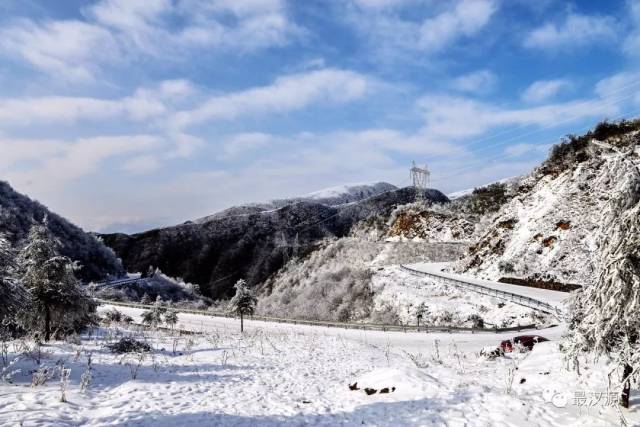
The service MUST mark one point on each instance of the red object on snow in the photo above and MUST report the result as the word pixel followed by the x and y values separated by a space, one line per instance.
pixel 526 341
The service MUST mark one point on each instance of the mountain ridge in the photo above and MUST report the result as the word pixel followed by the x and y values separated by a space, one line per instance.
pixel 18 213
pixel 217 252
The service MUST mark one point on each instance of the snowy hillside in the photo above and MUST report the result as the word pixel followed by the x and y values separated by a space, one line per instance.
pixel 552 230
pixel 18 213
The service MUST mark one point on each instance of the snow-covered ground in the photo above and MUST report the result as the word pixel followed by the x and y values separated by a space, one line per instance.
pixel 404 292
pixel 281 375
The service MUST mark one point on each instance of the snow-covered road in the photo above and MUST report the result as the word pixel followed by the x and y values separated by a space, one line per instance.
pixel 554 298
pixel 409 341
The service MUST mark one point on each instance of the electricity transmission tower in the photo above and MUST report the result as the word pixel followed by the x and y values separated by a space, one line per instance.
pixel 420 178
pixel 289 249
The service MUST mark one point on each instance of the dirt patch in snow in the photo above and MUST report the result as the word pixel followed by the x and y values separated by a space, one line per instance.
pixel 533 282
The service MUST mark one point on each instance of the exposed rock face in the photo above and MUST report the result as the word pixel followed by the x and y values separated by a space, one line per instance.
pixel 432 225
pixel 217 251
pixel 550 230
pixel 461 221
pixel 18 213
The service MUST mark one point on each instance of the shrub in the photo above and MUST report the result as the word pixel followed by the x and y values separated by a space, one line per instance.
pixel 487 199
pixel 506 267
pixel 572 148
pixel 129 345
pixel 112 316
pixel 606 129
pixel 476 321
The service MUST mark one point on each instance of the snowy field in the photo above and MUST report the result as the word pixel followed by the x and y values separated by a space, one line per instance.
pixel 403 292
pixel 291 375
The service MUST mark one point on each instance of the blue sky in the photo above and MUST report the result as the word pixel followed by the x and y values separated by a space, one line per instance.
pixel 128 114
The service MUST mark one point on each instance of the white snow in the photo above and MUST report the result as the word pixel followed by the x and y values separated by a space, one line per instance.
pixel 555 298
pixel 288 375
pixel 344 190
pixel 402 291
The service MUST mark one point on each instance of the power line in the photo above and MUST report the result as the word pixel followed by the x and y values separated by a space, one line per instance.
pixel 502 155
pixel 620 89
pixel 359 201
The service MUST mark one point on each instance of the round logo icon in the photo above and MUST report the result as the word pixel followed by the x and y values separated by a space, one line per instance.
pixel 560 400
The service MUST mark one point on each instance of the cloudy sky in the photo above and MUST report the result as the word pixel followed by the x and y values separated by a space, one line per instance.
pixel 128 114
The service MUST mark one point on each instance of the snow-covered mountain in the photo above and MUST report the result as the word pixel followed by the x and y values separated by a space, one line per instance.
pixel 332 196
pixel 349 193
pixel 18 212
pixel 552 230
pixel 254 242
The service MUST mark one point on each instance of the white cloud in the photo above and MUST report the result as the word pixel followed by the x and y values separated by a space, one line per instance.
pixel 382 4
pixel 64 48
pixel 123 30
pixel 244 142
pixel 129 15
pixel 631 44
pixel 543 90
pixel 620 85
pixel 142 164
pixel 52 170
pixel 184 145
pixel 577 30
pixel 178 88
pixel 465 19
pixel 144 104
pixel 256 24
pixel 18 150
pixel 450 118
pixel 482 81
pixel 55 109
pixel 287 93
pixel 391 33
pixel 518 150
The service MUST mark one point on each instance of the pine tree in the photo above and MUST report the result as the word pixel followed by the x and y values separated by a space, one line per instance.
pixel 171 318
pixel 153 317
pixel 57 301
pixel 146 299
pixel 605 317
pixel 12 294
pixel 243 302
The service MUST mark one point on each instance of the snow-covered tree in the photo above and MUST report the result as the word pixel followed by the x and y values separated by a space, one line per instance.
pixel 171 318
pixel 421 311
pixel 12 294
pixel 154 316
pixel 243 302
pixel 605 317
pixel 57 303
pixel 146 299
